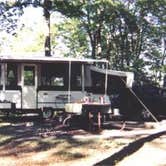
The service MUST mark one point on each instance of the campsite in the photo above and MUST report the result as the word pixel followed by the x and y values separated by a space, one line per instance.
pixel 28 141
pixel 82 83
pixel 75 117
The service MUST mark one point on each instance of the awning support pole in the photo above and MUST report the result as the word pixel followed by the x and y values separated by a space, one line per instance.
pixel 140 101
pixel 106 78
pixel 3 76
pixel 83 78
pixel 69 85
pixel 155 119
pixel 3 81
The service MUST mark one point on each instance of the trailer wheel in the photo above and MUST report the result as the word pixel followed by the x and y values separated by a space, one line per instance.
pixel 47 113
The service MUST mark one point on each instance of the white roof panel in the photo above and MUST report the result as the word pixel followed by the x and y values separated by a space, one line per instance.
pixel 41 58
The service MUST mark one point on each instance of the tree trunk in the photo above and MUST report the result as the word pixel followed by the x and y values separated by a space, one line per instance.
pixel 47 44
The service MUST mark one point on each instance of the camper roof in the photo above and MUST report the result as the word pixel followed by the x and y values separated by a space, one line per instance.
pixel 39 58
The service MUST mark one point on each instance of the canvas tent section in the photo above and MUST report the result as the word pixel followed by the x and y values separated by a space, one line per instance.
pixel 116 80
pixel 128 77
pixel 118 85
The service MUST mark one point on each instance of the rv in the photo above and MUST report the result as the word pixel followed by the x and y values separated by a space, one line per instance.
pixel 45 84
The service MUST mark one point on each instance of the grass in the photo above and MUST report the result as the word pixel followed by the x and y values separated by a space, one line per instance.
pixel 20 145
pixel 36 152
pixel 3 136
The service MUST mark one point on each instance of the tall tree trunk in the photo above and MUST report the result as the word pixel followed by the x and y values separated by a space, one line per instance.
pixel 47 44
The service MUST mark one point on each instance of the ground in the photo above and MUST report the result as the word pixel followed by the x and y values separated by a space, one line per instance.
pixel 152 153
pixel 38 143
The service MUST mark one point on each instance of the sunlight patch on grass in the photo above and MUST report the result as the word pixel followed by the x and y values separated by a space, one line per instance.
pixel 33 149
pixel 3 124
pixel 4 138
pixel 29 144
pixel 66 155
pixel 40 156
pixel 58 150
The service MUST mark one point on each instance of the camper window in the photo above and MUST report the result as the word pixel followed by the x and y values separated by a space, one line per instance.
pixel 98 82
pixel 0 78
pixel 57 81
pixel 53 75
pixel 0 75
pixel 76 79
pixel 12 75
pixel 29 76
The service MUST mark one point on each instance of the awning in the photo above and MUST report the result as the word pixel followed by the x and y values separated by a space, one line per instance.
pixel 128 75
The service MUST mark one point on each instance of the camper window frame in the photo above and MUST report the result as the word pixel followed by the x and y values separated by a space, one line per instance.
pixel 47 69
pixel 14 86
pixel 33 76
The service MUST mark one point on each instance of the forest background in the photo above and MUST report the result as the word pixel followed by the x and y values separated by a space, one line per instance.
pixel 131 34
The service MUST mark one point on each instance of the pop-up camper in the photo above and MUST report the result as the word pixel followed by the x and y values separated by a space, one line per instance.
pixel 35 83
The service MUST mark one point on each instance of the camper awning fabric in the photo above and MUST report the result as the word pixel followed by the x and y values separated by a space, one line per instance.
pixel 129 75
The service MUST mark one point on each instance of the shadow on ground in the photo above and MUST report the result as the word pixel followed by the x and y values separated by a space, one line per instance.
pixel 29 134
pixel 128 150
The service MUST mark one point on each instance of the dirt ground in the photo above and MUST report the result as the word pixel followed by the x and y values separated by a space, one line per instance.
pixel 36 143
pixel 152 153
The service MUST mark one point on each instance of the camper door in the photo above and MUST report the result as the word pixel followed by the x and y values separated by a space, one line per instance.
pixel 29 86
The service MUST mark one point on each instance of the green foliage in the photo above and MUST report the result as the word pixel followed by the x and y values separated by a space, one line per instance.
pixel 127 33
pixel 74 37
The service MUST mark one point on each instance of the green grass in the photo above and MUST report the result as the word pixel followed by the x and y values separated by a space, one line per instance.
pixel 5 138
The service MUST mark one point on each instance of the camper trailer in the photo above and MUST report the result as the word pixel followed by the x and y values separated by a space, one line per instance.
pixel 44 84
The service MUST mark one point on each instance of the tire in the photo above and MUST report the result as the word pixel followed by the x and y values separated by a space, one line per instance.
pixel 47 113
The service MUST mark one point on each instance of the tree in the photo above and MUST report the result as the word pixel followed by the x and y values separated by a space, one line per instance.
pixel 153 13
pixel 9 9
pixel 126 32
pixel 92 17
pixel 74 37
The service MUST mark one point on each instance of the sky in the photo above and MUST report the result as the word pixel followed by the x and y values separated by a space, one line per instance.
pixel 33 20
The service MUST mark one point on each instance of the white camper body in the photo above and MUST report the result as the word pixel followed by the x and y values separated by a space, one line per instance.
pixel 37 82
